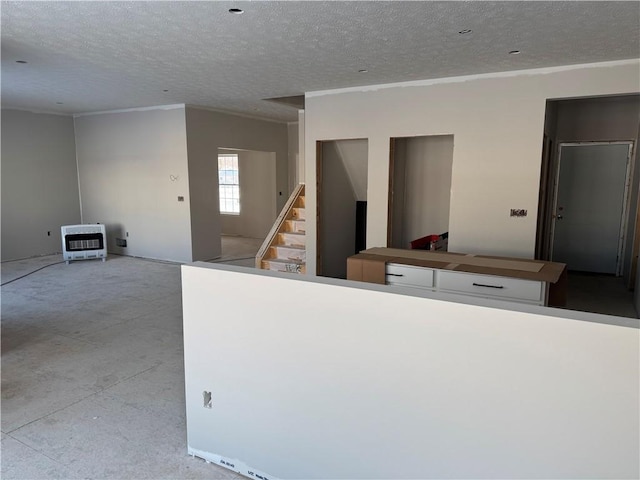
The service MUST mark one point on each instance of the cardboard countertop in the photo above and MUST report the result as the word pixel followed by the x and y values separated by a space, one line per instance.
pixel 460 262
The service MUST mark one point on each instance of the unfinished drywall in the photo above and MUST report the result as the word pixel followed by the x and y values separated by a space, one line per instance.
pixel 422 187
pixel 605 119
pixel 207 131
pixel 344 169
pixel 497 121
pixel 39 182
pixel 258 196
pixel 371 385
pixel 133 171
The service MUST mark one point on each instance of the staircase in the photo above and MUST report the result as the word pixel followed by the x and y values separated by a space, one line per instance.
pixel 284 249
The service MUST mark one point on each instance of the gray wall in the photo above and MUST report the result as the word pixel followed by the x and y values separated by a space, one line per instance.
pixel 257 177
pixel 605 119
pixel 338 202
pixel 133 167
pixel 39 182
pixel 208 131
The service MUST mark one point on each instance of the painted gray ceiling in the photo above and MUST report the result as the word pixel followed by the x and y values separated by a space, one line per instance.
pixel 96 56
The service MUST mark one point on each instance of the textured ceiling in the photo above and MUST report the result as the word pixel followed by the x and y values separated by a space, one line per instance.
pixel 96 56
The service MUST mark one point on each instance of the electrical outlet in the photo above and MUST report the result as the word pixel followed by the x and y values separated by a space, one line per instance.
pixel 208 402
pixel 181 198
pixel 121 242
pixel 518 212
pixel 48 234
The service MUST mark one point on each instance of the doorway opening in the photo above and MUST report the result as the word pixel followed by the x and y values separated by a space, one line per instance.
pixel 342 169
pixel 588 199
pixel 247 202
pixel 419 188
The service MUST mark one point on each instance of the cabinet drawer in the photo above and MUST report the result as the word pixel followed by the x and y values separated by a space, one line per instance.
pixel 397 274
pixel 492 286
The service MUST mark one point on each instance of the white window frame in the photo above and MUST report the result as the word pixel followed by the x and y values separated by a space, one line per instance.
pixel 229 198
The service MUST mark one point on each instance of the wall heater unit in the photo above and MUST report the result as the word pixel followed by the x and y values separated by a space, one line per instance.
pixel 84 242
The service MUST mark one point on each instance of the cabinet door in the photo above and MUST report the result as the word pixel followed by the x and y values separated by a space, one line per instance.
pixel 491 286
pixel 410 276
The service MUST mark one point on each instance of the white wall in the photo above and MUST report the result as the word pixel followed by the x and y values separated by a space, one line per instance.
pixel 257 177
pixel 422 196
pixel 371 384
pixel 39 182
pixel 497 121
pixel 133 167
pixel 293 130
pixel 300 166
pixel 207 131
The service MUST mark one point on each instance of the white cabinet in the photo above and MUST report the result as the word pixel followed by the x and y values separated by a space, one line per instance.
pixel 464 283
pixel 520 280
pixel 492 286
pixel 408 276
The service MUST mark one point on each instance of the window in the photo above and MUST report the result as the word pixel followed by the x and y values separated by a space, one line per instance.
pixel 229 185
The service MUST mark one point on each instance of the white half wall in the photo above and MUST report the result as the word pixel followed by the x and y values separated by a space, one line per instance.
pixel 257 176
pixel 497 121
pixel 372 384
pixel 39 182
pixel 133 167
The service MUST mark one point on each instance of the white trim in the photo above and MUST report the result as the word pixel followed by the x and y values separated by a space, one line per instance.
pixel 38 112
pixel 137 109
pixel 467 78
pixel 234 464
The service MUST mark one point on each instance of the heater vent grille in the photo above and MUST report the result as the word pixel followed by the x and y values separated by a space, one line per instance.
pixel 91 244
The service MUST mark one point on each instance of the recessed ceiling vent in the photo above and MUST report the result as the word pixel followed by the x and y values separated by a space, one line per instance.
pixel 296 101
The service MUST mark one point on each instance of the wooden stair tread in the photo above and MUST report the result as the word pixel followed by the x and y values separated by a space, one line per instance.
pixel 280 251
pixel 292 247
pixel 283 260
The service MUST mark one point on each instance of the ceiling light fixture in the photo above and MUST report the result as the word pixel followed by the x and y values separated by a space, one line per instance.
pixel 20 61
pixel 514 52
pixel 465 31
pixel 236 11
pixel 363 70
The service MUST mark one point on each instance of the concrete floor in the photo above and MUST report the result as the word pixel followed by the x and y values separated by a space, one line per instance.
pixel 93 374
pixel 239 251
pixel 600 294
pixel 92 366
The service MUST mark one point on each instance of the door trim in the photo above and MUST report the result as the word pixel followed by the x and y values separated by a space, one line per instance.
pixel 625 198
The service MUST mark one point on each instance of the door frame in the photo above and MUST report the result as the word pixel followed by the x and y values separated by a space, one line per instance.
pixel 625 198
pixel 319 245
